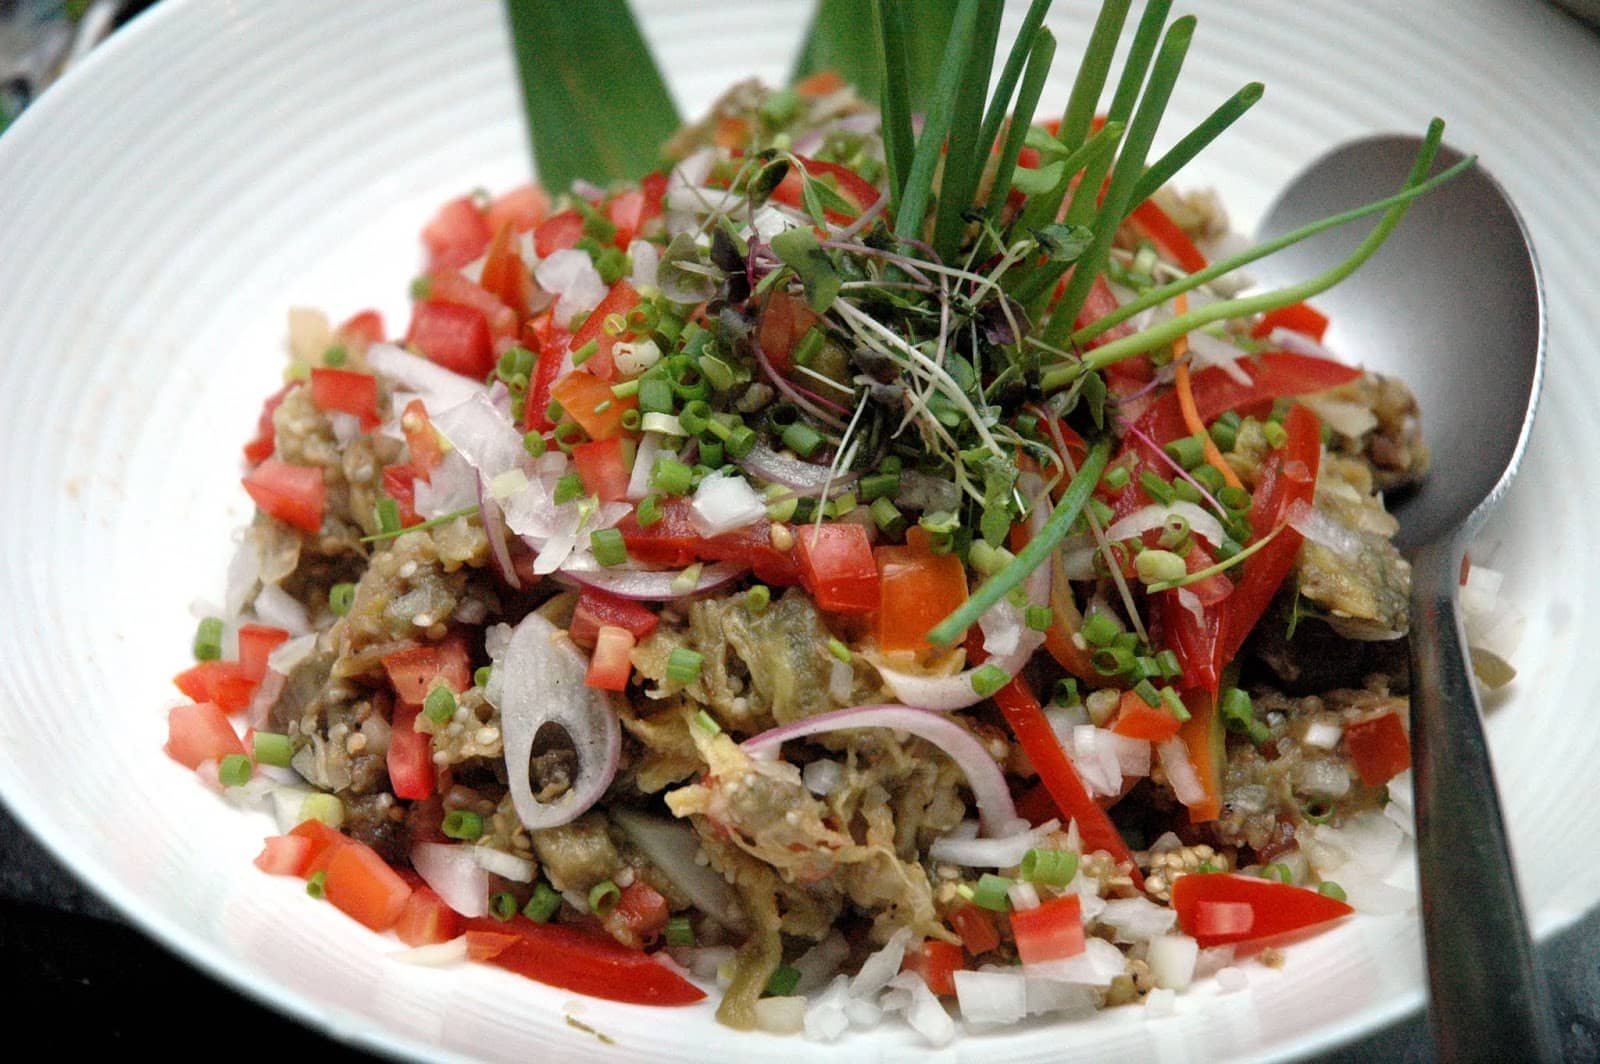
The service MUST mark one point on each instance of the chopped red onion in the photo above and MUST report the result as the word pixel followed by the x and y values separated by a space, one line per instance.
pixel 724 502
pixel 988 783
pixel 438 388
pixel 449 868
pixel 451 487
pixel 654 585
pixel 494 529
pixel 1180 772
pixel 541 681
pixel 1322 734
pixel 572 276
pixel 1136 919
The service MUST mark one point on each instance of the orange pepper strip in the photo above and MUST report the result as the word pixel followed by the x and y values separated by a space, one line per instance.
pixel 1191 416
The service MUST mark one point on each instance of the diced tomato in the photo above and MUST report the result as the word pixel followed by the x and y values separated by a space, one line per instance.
pixel 348 392
pixel 597 608
pixel 361 884
pixel 266 441
pixel 521 208
pixel 976 928
pixel 603 468
pixel 421 440
pixel 1302 318
pixel 784 320
pixel 611 665
pixel 837 565
pixel 284 855
pixel 412 671
pixel 449 286
pixel 937 962
pixel 426 919
pixel 1138 719
pixel 673 541
pixel 1050 931
pixel 364 327
pixel 587 963
pixel 399 483
pixel 505 276
pixel 224 683
pixel 822 83
pixel 559 232
pixel 487 945
pixel 640 915
pixel 857 190
pixel 1379 747
pixel 200 732
pixel 454 336
pixel 655 193
pixel 410 756
pixel 548 342
pixel 620 300
pixel 323 840
pixel 456 236
pixel 1222 908
pixel 256 641
pixel 918 589
pixel 626 211
pixel 584 397
pixel 295 495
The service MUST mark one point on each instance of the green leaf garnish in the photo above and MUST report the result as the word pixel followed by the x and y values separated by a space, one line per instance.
pixel 799 250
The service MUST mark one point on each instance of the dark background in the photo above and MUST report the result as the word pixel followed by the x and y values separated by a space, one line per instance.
pixel 77 969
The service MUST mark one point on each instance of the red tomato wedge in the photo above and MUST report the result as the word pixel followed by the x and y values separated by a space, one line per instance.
pixel 224 683
pixel 857 190
pixel 640 915
pixel 412 672
pixel 454 336
pixel 587 963
pixel 323 839
pixel 284 855
pixel 1380 748
pixel 937 962
pixel 363 327
pixel 361 884
pixel 505 276
pixel 200 732
pixel 1050 931
pixel 410 758
pixel 837 564
pixel 256 641
pixel 1297 317
pixel 1220 909
pixel 456 236
pixel 347 392
pixel 559 232
pixel 295 495
pixel 449 286
pixel 620 300
pixel 399 483
pixel 426 919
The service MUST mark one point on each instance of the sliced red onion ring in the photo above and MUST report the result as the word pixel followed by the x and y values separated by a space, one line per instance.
pixel 540 681
pixel 494 527
pixel 653 585
pixel 806 478
pixel 437 387
pixel 673 847
pixel 450 870
pixel 988 783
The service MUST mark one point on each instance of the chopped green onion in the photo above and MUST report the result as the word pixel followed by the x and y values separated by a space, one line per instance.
pixel 1117 478
pixel 387 513
pixel 1156 488
pixel 802 439
pixel 839 650
pixel 1174 703
pixel 544 903
pixel 783 981
pixel 1208 868
pixel 1147 691
pixel 683 665
pixel 603 897
pixel 534 443
pixel 1167 662
pixel 324 807
pixel 990 893
pixel 1065 692
pixel 648 511
pixel 989 678
pixel 1329 889
pixel 341 597
pixel 655 395
pixel 1156 566
pixel 317 885
pixel 234 770
pixel 271 748
pixel 679 931
pixel 503 906
pixel 887 516
pixel 1187 451
pixel 1278 872
pixel 671 477
pixel 1053 868
pixel 1113 661
pixel 1039 618
pixel 480 675
pixel 568 488
pixel 608 547
pixel 440 705
pixel 462 824
pixel 757 598
pixel 208 640
pixel 707 723
pixel 1099 629
pixel 585 353
pixel 880 486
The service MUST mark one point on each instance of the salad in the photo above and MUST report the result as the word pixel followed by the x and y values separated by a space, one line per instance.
pixel 853 570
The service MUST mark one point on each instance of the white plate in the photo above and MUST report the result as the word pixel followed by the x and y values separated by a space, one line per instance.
pixel 216 162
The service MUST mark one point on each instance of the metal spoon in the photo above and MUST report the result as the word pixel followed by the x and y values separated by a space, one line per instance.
pixel 1453 305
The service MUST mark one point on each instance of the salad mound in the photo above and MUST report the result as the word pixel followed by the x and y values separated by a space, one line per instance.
pixel 870 595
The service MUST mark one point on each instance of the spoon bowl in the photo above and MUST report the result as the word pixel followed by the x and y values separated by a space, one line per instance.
pixel 1453 305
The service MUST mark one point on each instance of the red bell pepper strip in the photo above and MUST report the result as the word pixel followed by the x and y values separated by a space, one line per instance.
pixel 1205 739
pixel 1169 238
pixel 586 963
pixel 1038 740
pixel 1297 317
pixel 1221 908
pixel 1379 747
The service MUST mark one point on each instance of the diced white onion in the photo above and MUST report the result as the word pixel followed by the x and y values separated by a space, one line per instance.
pixel 450 869
pixel 1136 919
pixel 346 427
pixel 821 776
pixel 633 359
pixel 505 865
pixel 572 276
pixel 1180 772
pixel 1210 350
pixel 1172 959
pixel 1324 531
pixel 286 655
pixel 961 847
pixel 244 572
pixel 925 1014
pixel 1049 995
pixel 1023 895
pixel 991 997
pixel 841 681
pixel 1321 778
pixel 881 966
pixel 1098 964
pixel 1346 418
pixel 1160 1003
pixel 862 1013
pixel 288 805
pixel 1323 734
pixel 438 388
pixel 825 1018
pixel 644 463
pixel 1368 841
pixel 781 1015
pixel 277 607
pixel 1202 523
pixel 645 257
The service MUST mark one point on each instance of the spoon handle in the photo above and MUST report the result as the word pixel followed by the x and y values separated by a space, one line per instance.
pixel 1487 999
